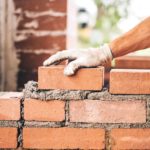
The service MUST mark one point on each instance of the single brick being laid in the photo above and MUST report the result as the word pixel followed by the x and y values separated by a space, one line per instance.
pixel 63 138
pixel 10 105
pixel 96 111
pixel 130 139
pixel 37 110
pixel 85 79
pixel 8 137
pixel 129 81
pixel 133 62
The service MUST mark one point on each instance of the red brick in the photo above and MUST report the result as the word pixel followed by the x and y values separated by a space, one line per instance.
pixel 42 42
pixel 107 111
pixel 9 106
pixel 129 81
pixel 41 5
pixel 8 137
pixel 44 110
pixel 130 139
pixel 44 23
pixel 133 62
pixel 85 78
pixel 63 138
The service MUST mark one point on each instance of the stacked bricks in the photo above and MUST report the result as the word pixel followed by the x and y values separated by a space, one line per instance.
pixel 10 114
pixel 72 115
pixel 131 75
pixel 41 30
pixel 130 81
pixel 69 114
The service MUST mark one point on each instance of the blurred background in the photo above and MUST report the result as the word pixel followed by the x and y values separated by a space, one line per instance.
pixel 31 31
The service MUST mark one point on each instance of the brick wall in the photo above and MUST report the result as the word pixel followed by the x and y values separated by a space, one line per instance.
pixel 78 117
pixel 41 30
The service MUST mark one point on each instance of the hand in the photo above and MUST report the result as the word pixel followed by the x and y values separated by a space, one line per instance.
pixel 91 57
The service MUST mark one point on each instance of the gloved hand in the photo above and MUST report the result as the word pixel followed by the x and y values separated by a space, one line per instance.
pixel 91 57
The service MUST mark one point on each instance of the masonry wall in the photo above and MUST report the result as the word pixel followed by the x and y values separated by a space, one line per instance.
pixel 77 119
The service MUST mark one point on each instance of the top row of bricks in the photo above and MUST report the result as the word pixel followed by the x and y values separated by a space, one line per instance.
pixel 122 81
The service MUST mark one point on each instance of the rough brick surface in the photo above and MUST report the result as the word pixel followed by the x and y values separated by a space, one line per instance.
pixel 9 106
pixel 8 137
pixel 107 111
pixel 44 5
pixel 42 42
pixel 44 23
pixel 63 138
pixel 129 81
pixel 85 79
pixel 44 110
pixel 130 139
pixel 133 62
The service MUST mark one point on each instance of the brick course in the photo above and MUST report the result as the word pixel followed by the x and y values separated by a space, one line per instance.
pixel 96 111
pixel 63 138
pixel 85 79
pixel 44 110
pixel 130 139
pixel 129 81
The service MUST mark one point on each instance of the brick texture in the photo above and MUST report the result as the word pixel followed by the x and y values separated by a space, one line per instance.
pixel 130 139
pixel 44 23
pixel 9 106
pixel 85 79
pixel 97 111
pixel 44 110
pixel 63 138
pixel 8 137
pixel 39 6
pixel 129 81
pixel 133 62
pixel 42 42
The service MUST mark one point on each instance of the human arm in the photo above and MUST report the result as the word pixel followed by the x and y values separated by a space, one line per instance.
pixel 136 39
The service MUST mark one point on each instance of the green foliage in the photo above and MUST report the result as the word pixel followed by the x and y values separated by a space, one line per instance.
pixel 109 14
pixel 113 11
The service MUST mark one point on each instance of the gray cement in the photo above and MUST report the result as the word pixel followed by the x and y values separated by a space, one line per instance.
pixel 108 126
pixel 9 123
pixel 31 91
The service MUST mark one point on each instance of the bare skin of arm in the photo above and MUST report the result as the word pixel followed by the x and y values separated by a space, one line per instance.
pixel 135 39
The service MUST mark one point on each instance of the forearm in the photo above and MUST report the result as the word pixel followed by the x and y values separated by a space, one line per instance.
pixel 135 39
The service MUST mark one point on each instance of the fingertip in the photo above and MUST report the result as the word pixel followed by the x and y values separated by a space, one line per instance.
pixel 68 71
pixel 45 63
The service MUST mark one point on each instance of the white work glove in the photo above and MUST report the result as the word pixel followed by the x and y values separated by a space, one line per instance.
pixel 90 57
